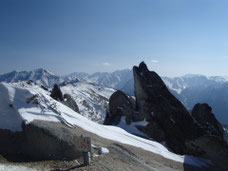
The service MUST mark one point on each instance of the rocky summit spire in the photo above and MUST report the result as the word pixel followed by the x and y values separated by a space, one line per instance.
pixel 149 85
pixel 56 93
pixel 143 67
pixel 199 134
pixel 156 103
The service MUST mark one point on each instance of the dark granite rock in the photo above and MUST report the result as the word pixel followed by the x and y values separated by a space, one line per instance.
pixel 212 148
pixel 203 115
pixel 43 87
pixel 56 93
pixel 65 99
pixel 199 134
pixel 69 101
pixel 153 130
pixel 120 105
pixel 156 103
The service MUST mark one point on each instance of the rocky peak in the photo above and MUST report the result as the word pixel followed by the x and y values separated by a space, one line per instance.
pixel 120 104
pixel 65 99
pixel 199 134
pixel 143 67
pixel 204 116
pixel 149 85
pixel 56 93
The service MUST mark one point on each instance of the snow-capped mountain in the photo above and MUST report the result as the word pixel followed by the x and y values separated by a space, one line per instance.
pixel 75 76
pixel 193 80
pixel 192 89
pixel 39 76
pixel 116 79
pixel 78 75
pixel 43 77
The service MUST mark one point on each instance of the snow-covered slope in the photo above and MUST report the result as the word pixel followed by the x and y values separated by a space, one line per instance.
pixel 92 99
pixel 39 76
pixel 189 89
pixel 27 102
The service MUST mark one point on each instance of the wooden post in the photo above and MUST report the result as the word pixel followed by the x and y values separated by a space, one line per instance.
pixel 86 157
pixel 84 145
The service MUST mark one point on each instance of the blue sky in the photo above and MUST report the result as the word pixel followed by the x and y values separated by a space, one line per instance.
pixel 173 37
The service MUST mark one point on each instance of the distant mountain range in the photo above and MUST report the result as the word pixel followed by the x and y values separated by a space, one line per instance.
pixel 116 79
pixel 189 89
pixel 39 76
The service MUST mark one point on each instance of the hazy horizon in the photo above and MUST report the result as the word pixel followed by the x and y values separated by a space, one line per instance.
pixel 174 38
pixel 181 75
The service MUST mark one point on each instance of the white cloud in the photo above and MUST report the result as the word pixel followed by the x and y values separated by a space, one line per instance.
pixel 106 64
pixel 154 61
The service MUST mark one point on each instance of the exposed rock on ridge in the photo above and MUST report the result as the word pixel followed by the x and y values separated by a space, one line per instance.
pixel 120 105
pixel 66 99
pixel 202 114
pixel 156 103
pixel 168 120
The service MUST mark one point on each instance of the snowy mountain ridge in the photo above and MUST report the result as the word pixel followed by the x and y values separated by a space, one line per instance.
pixel 189 89
pixel 39 76
pixel 117 79
pixel 23 102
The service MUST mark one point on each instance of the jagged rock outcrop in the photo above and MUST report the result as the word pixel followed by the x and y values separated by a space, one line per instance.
pixel 66 99
pixel 123 105
pixel 69 101
pixel 56 93
pixel 199 134
pixel 203 115
pixel 156 103
pixel 120 105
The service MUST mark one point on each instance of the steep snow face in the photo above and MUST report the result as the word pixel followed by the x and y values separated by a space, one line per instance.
pixel 92 99
pixel 32 102
pixel 39 76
